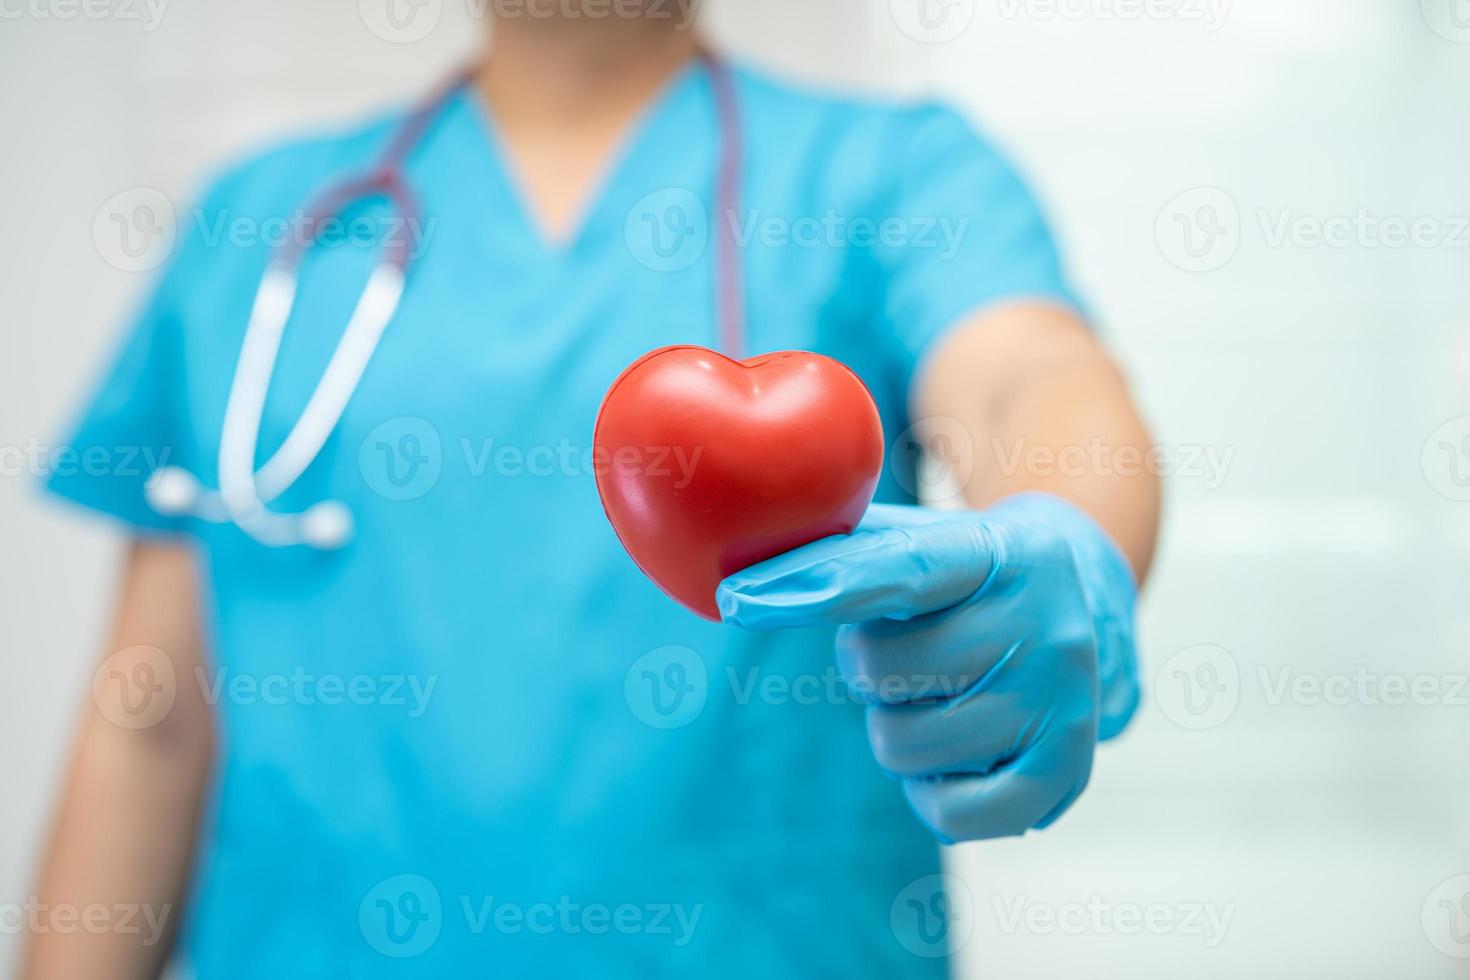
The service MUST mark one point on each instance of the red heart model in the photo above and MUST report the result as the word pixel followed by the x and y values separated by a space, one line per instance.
pixel 706 465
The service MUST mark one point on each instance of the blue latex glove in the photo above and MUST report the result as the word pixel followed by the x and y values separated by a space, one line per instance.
pixel 993 648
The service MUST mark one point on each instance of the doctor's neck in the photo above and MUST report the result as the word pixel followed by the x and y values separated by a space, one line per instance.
pixel 568 68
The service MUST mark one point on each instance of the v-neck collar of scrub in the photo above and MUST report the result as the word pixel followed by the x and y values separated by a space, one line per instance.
pixel 636 139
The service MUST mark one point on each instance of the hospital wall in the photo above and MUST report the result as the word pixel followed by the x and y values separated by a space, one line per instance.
pixel 1223 176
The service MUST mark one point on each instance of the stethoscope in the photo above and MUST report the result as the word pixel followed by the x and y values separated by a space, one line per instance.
pixel 244 493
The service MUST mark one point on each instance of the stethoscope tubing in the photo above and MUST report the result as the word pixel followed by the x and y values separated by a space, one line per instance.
pixel 245 493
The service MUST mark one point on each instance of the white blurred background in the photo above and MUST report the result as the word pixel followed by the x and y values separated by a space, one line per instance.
pixel 1266 203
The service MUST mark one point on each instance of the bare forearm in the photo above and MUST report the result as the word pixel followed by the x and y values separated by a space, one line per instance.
pixel 117 865
pixel 118 856
pixel 1042 407
pixel 1075 434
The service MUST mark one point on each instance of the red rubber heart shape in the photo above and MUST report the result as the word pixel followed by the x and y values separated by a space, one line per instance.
pixel 708 465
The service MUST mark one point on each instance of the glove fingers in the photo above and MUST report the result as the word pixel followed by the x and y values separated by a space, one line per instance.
pixel 958 735
pixel 941 653
pixel 891 572
pixel 959 808
pixel 1028 794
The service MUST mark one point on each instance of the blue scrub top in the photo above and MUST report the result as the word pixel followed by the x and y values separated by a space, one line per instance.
pixel 478 741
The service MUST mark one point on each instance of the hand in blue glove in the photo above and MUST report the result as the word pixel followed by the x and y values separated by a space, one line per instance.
pixel 994 649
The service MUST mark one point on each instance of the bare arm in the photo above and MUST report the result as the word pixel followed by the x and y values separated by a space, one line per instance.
pixel 1043 407
pixel 124 834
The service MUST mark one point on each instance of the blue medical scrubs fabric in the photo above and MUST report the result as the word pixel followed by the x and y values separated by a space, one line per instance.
pixel 476 741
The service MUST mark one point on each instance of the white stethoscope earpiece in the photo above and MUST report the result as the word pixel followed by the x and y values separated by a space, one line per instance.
pixel 326 526
pixel 173 491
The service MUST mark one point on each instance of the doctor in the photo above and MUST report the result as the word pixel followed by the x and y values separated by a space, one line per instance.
pixel 448 729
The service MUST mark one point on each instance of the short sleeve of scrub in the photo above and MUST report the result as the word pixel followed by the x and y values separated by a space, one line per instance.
pixel 134 420
pixel 964 232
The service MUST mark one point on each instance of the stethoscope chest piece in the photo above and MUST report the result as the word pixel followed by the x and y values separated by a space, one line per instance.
pixel 326 526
